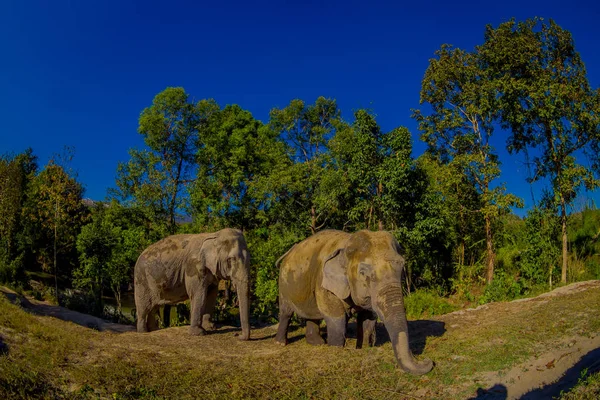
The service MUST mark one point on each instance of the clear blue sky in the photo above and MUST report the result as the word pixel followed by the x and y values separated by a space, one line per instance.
pixel 79 73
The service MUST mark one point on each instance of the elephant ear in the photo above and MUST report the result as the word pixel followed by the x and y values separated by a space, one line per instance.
pixel 335 278
pixel 209 254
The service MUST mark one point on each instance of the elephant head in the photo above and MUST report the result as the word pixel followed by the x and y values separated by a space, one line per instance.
pixel 226 255
pixel 368 270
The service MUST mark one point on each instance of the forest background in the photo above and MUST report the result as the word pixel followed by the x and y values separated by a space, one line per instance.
pixel 205 166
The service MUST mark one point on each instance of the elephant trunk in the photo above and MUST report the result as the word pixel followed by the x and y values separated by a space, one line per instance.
pixel 390 305
pixel 243 291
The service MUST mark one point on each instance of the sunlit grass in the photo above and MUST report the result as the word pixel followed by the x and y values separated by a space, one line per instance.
pixel 49 358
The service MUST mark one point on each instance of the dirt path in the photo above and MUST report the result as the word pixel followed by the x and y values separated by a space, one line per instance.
pixel 43 308
pixel 546 375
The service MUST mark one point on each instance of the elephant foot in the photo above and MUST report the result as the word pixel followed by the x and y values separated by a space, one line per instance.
pixel 209 326
pixel 281 342
pixel 197 331
pixel 315 340
pixel 313 333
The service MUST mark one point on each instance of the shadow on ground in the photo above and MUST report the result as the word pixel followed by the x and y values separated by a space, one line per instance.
pixel 3 347
pixel 589 363
pixel 418 332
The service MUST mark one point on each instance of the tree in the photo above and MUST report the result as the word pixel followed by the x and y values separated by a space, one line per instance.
pixel 55 205
pixel 108 248
pixel 155 178
pixel 234 150
pixel 300 182
pixel 459 127
pixel 16 172
pixel 448 235
pixel 546 100
pixel 375 170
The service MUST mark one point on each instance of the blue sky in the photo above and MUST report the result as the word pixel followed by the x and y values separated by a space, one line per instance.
pixel 79 73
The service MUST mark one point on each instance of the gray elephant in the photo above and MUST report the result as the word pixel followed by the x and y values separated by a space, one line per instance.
pixel 333 272
pixel 182 267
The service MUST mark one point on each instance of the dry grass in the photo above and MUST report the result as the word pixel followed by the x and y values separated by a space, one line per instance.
pixel 50 358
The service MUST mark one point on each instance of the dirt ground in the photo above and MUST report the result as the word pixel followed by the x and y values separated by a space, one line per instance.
pixel 540 377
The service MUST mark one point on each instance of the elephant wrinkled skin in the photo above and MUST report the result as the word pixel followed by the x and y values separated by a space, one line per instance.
pixel 190 266
pixel 332 272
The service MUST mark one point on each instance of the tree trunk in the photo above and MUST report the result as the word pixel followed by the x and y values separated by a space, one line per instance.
pixel 490 249
pixel 563 219
pixel 313 221
pixel 55 263
pixel 380 192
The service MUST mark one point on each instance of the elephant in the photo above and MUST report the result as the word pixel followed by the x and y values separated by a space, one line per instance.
pixel 331 273
pixel 190 266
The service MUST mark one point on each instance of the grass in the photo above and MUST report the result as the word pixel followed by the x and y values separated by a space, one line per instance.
pixel 588 388
pixel 50 358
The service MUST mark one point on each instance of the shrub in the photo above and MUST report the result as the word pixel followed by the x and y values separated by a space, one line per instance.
pixel 426 302
pixel 13 272
pixel 503 287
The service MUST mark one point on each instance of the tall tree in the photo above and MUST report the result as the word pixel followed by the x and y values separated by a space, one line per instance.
pixel 459 127
pixel 13 179
pixel 234 150
pixel 16 173
pixel 376 168
pixel 546 100
pixel 155 178
pixel 108 248
pixel 299 181
pixel 55 205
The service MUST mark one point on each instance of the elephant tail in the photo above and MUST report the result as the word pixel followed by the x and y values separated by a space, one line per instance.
pixel 280 259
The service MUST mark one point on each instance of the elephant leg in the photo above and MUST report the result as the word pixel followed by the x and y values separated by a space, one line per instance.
pixel 153 319
pixel 285 314
pixel 198 309
pixel 143 313
pixel 166 315
pixel 336 330
pixel 313 332
pixel 211 301
pixel 365 329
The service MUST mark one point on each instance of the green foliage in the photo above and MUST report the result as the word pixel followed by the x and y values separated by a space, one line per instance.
pixel 538 263
pixel 458 130
pixel 300 189
pixel 504 287
pixel 425 303
pixel 546 100
pixel 266 246
pixel 12 272
pixel 235 150
pixel 53 214
pixel 108 249
pixel 155 178
pixel 16 173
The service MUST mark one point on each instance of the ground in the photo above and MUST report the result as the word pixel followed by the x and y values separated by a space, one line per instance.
pixel 533 349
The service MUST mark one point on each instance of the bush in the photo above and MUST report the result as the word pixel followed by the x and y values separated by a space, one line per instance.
pixel 504 287
pixel 426 302
pixel 266 245
pixel 81 301
pixel 13 272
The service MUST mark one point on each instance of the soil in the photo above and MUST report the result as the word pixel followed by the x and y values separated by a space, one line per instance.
pixel 545 375
pixel 541 377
